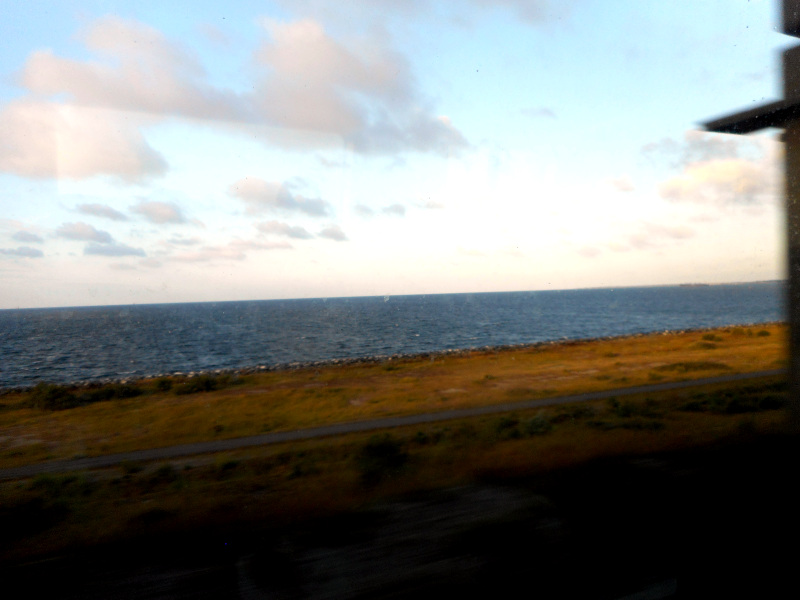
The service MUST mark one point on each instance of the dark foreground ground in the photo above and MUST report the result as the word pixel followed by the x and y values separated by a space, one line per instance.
pixel 714 522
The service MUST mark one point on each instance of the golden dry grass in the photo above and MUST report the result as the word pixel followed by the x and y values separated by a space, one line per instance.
pixel 316 396
pixel 273 485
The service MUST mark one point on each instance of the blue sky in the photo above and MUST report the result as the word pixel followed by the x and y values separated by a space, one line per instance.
pixel 171 152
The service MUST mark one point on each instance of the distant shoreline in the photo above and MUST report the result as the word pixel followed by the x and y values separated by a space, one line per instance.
pixel 418 294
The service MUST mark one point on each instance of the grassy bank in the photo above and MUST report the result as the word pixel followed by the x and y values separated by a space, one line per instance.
pixel 262 488
pixel 59 422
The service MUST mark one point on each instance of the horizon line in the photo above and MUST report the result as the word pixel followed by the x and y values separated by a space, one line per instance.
pixel 385 296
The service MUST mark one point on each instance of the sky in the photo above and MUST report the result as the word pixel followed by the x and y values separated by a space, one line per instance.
pixel 157 151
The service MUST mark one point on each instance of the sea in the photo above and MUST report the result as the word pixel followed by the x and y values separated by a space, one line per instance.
pixel 81 344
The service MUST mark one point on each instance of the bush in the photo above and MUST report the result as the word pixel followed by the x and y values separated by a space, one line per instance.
pixel 704 345
pixel 763 333
pixel 163 384
pixel 382 456
pixel 506 427
pixel 50 396
pixel 201 383
pixel 207 382
pixel 635 424
pixel 538 425
pixel 712 337
pixel 574 413
pixel 110 392
pixel 745 400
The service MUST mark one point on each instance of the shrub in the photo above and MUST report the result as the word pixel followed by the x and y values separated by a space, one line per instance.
pixel 164 474
pixel 635 424
pixel 130 467
pixel 574 413
pixel 643 424
pixel 506 427
pixel 763 333
pixel 50 396
pixel 745 400
pixel 712 337
pixel 201 383
pixel 704 345
pixel 207 382
pixel 163 384
pixel 59 397
pixel 110 392
pixel 620 409
pixel 538 425
pixel 382 456
pixel 61 487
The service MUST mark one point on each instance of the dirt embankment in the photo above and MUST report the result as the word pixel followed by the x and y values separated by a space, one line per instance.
pixel 717 521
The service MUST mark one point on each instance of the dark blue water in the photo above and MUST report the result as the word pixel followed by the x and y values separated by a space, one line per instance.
pixel 77 344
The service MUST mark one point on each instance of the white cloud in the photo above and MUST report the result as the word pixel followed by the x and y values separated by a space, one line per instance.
pixel 700 146
pixel 160 213
pixel 364 12
pixel 27 236
pixel 533 12
pixel 215 35
pixel 393 210
pixel 623 183
pixel 182 241
pixel 83 232
pixel 368 97
pixel 396 210
pixel 362 210
pixel 284 229
pixel 722 182
pixel 589 251
pixel 260 195
pixel 717 170
pixel 150 263
pixel 333 232
pixel 48 140
pixel 114 249
pixel 101 210
pixel 257 245
pixel 233 250
pixel 23 252
pixel 310 83
pixel 429 204
pixel 538 113
pixel 647 235
pixel 139 70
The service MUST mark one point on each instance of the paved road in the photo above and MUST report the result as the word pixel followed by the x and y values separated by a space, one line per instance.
pixel 110 460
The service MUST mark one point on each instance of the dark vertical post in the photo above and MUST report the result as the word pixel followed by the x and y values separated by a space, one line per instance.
pixel 783 113
pixel 791 137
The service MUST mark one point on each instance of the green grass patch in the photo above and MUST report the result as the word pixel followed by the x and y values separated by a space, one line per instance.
pixel 712 337
pixel 381 457
pixel 747 399
pixel 50 396
pixel 206 383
